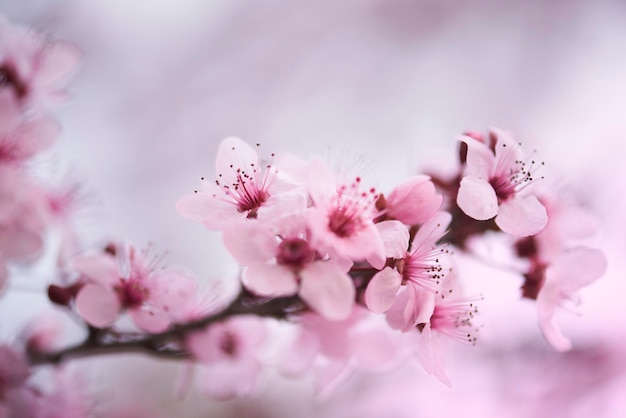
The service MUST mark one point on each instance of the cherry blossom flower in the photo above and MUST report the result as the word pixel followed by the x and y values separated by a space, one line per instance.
pixel 126 280
pixel 23 139
pixel 334 350
pixel 34 69
pixel 342 217
pixel 424 265
pixel 228 353
pixel 571 270
pixel 495 184
pixel 244 188
pixel 280 261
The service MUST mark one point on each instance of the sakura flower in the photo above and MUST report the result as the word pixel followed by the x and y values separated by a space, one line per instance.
pixel 342 217
pixel 424 266
pixel 570 271
pixel 414 201
pixel 335 349
pixel 244 188
pixel 34 69
pixel 22 140
pixel 495 184
pixel 123 279
pixel 280 261
pixel 228 353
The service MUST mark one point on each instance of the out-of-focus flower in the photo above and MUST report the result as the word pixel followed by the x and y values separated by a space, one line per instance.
pixel 228 352
pixel 33 69
pixel 128 281
pixel 571 270
pixel 495 182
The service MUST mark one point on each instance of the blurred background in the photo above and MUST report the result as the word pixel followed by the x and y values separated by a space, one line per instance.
pixel 387 84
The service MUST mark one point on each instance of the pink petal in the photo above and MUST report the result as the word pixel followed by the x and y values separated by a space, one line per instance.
pixel 149 319
pixel 250 243
pixel 480 159
pixel 548 300
pixel 270 280
pixel 251 331
pixel 327 289
pixel 58 62
pixel 432 231
pixel 209 209
pixel 301 355
pixel 36 135
pixel 577 267
pixel 4 276
pixel 19 243
pixel 374 350
pixel 395 236
pixel 477 198
pixel 101 268
pixel 414 201
pixel 507 153
pixel 225 380
pixel 431 354
pixel 522 216
pixel 321 183
pixel 382 290
pixel 98 305
pixel 234 154
pixel 172 290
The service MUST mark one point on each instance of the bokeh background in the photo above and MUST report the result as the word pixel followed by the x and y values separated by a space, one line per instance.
pixel 386 84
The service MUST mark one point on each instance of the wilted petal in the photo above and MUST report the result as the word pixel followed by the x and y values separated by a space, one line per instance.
pixel 522 216
pixel 477 198
pixel 382 290
pixel 328 290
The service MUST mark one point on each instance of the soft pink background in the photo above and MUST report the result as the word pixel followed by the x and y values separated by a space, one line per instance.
pixel 384 83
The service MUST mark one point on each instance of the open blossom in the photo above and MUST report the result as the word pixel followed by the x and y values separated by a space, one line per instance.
pixel 570 271
pixel 342 217
pixel 335 349
pixel 21 139
pixel 33 69
pixel 244 188
pixel 124 280
pixel 495 184
pixel 281 261
pixel 228 353
pixel 425 265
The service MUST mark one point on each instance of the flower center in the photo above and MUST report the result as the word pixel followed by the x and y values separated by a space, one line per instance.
pixel 454 319
pixel 351 210
pixel 228 344
pixel 131 293
pixel 295 253
pixel 10 78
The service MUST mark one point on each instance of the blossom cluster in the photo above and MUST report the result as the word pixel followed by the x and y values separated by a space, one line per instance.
pixel 345 276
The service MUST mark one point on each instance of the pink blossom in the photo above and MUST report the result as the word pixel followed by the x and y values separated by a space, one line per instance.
pixel 127 280
pixel 23 138
pixel 342 217
pixel 244 188
pixel 495 184
pixel 335 349
pixel 280 261
pixel 424 265
pixel 228 353
pixel 414 201
pixel 571 270
pixel 34 69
